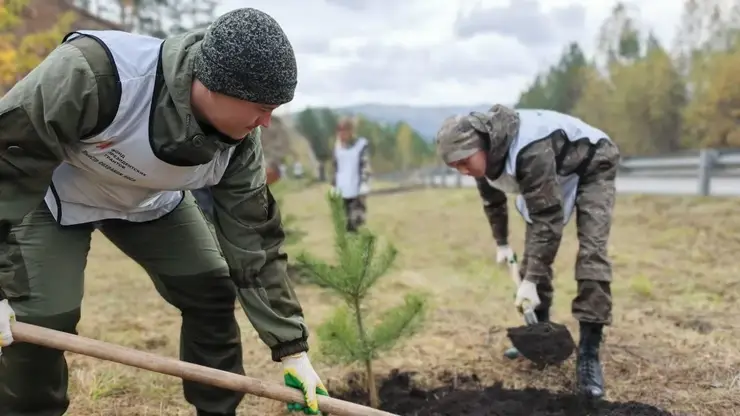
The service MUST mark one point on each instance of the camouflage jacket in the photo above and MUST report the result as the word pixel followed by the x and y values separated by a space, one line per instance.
pixel 74 94
pixel 495 209
pixel 537 175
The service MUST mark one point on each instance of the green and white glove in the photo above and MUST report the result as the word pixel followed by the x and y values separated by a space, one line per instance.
pixel 298 373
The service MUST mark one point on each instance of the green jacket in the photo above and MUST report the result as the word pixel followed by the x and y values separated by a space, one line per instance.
pixel 73 94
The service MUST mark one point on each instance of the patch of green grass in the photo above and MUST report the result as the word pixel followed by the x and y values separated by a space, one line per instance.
pixel 642 286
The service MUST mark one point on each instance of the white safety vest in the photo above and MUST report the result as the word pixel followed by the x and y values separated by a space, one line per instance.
pixel 348 167
pixel 116 175
pixel 536 125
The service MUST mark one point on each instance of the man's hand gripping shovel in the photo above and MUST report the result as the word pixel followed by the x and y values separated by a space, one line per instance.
pixel 526 309
pixel 543 343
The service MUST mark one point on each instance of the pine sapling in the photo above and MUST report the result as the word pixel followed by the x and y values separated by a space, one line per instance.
pixel 347 336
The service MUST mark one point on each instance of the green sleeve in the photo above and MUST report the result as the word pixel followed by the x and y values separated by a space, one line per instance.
pixel 249 229
pixel 54 105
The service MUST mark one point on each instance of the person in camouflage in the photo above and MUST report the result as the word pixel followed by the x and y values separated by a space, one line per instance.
pixel 111 132
pixel 352 172
pixel 556 164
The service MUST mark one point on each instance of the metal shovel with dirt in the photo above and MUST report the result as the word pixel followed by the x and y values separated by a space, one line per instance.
pixel 543 343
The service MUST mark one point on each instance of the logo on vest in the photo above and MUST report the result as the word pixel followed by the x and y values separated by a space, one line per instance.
pixel 104 145
pixel 113 161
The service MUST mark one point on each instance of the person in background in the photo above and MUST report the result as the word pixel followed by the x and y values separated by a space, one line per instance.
pixel 298 169
pixel 352 172
pixel 283 169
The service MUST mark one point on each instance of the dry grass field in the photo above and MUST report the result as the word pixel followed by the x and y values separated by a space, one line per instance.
pixel 674 343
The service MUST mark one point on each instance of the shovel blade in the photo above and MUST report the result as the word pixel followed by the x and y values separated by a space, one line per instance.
pixel 543 343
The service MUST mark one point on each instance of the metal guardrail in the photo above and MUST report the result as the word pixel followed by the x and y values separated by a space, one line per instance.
pixel 702 172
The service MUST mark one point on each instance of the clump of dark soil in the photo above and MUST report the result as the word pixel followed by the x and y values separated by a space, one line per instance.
pixel 464 396
pixel 544 343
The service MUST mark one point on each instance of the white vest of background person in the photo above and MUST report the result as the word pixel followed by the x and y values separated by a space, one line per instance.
pixel 348 172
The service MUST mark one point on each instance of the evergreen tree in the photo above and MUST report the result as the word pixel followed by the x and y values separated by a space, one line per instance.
pixel 347 336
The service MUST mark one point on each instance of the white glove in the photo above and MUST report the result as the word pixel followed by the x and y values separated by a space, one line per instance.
pixel 334 191
pixel 505 254
pixel 526 296
pixel 364 189
pixel 299 374
pixel 7 317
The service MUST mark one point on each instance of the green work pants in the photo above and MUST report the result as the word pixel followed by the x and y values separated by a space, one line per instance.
pixel 182 257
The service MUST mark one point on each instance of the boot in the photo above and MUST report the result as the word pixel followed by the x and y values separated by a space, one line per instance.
pixel 542 316
pixel 204 413
pixel 588 367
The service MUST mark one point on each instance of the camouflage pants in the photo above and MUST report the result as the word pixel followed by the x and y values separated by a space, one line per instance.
pixel 355 209
pixel 593 272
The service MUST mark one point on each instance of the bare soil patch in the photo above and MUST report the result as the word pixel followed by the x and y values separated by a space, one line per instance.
pixel 466 396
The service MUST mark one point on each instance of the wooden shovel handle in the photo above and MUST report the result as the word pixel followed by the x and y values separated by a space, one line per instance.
pixel 50 338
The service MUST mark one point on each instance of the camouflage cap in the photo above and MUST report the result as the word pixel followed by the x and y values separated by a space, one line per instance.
pixel 458 138
pixel 503 122
pixel 461 136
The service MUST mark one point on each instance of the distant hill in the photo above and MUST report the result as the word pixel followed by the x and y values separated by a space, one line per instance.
pixel 425 120
pixel 282 142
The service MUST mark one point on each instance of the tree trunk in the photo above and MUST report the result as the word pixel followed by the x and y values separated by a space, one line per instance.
pixel 372 390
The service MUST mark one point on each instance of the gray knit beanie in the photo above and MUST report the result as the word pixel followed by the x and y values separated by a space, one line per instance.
pixel 245 54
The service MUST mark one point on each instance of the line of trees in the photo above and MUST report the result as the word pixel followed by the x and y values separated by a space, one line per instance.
pixel 650 97
pixel 20 53
pixel 393 147
pixel 158 18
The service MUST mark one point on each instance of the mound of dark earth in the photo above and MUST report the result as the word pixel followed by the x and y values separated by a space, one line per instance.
pixel 466 398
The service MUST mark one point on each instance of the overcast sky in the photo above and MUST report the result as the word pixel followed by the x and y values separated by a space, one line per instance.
pixel 436 52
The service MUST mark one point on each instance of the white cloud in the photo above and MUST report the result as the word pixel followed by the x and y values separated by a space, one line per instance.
pixel 436 52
